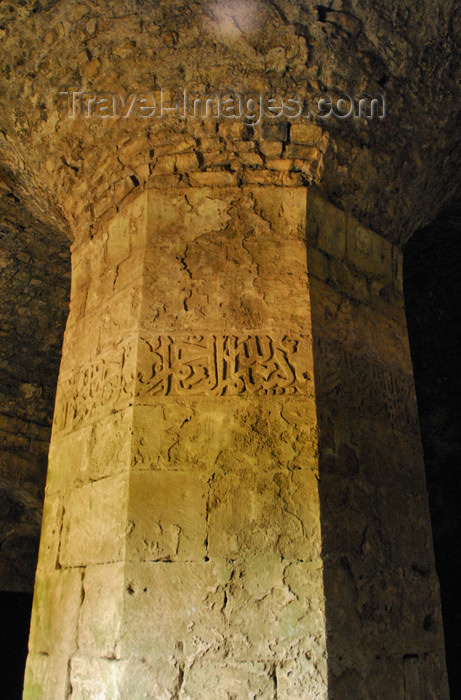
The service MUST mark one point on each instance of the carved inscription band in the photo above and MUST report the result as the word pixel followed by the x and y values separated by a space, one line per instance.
pixel 222 365
pixel 183 365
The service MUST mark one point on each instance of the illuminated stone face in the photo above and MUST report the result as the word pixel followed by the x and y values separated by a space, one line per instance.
pixel 182 488
pixel 218 501
pixel 234 17
pixel 235 402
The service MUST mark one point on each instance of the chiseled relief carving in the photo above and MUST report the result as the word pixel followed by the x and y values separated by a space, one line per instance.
pixel 221 365
pixel 99 387
pixel 355 381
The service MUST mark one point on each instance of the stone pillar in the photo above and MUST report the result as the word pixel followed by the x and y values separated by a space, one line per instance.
pixel 384 626
pixel 181 544
pixel 202 538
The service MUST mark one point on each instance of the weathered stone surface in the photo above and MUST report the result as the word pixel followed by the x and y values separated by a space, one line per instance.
pixel 167 517
pixel 101 610
pixel 87 167
pixel 59 591
pixel 94 523
pixel 196 337
pixel 381 589
pixel 34 282
pixel 46 677
pixel 183 482
pixel 226 468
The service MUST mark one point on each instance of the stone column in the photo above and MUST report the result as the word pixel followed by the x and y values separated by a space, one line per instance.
pixel 236 488
pixel 181 545
pixel 384 626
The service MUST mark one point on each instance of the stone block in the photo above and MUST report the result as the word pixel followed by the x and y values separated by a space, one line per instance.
pixel 94 523
pixel 274 131
pixel 218 178
pixel 306 134
pixel 318 264
pixel 118 244
pixel 221 678
pixel 302 152
pixel 158 679
pixel 271 149
pixel 46 677
pixel 331 229
pixel 57 599
pixel 167 517
pixel 348 281
pixel 67 460
pixel 281 164
pixel 171 604
pixel 284 210
pixel 271 178
pixel 186 162
pixel 50 533
pixel 258 512
pixel 93 678
pixel 101 610
pixel 368 252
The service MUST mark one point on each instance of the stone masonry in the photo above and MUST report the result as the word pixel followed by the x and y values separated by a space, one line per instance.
pixel 199 539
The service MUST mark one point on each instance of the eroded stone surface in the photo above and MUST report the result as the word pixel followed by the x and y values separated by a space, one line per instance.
pixel 86 168
pixel 182 493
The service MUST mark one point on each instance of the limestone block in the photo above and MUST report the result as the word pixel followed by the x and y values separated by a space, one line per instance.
pixel 98 388
pixel 432 674
pixel 59 591
pixel 269 618
pixel 218 178
pixel 94 523
pixel 280 259
pixel 332 229
pixel 101 610
pixel 279 164
pixel 303 152
pixel 50 533
pixel 271 149
pixel 265 513
pixel 167 517
pixel 346 279
pixel 186 162
pixel 67 460
pixel 118 243
pixel 368 252
pixel 302 133
pixel 206 434
pixel 215 676
pixel 156 678
pixel 109 446
pixel 272 178
pixel 172 604
pixel 318 264
pixel 303 673
pixel 283 210
pixel 46 677
pixel 93 679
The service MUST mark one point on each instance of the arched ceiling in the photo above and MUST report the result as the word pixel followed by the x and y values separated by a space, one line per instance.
pixel 394 174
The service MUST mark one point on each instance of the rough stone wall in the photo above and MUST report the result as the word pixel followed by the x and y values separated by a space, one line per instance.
pixel 34 288
pixel 384 626
pixel 381 172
